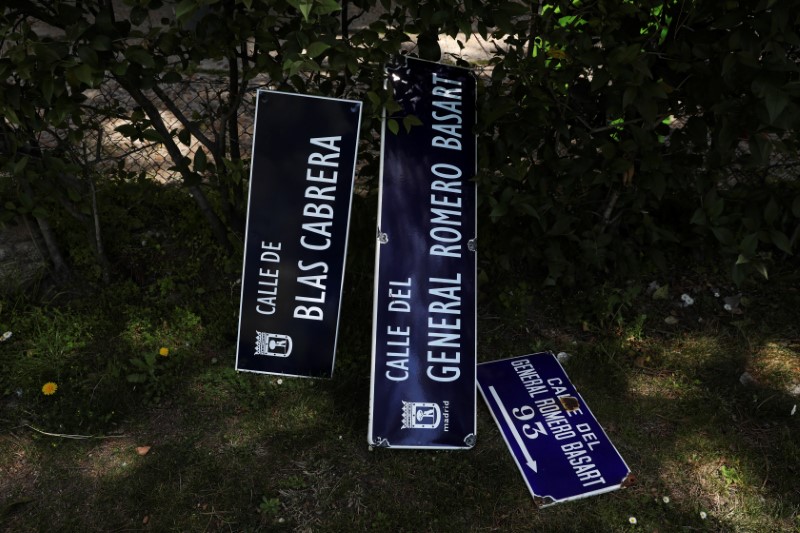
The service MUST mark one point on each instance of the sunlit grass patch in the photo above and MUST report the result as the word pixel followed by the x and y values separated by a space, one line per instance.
pixel 45 344
pixel 108 459
pixel 663 385
pixel 776 364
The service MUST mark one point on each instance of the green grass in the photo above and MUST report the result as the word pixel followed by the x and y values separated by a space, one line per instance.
pixel 244 452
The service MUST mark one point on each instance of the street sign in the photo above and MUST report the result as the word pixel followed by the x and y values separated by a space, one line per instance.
pixel 423 347
pixel 298 216
pixel 561 450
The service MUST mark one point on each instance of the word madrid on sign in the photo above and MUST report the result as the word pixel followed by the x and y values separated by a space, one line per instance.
pixel 298 216
pixel 558 445
pixel 423 345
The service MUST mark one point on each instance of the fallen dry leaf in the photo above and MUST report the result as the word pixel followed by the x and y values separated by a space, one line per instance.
pixel 142 450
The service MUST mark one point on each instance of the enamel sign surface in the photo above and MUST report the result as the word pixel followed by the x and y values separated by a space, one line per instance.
pixel 298 215
pixel 558 445
pixel 423 352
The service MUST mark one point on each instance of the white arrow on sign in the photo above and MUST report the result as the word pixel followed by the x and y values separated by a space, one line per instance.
pixel 530 462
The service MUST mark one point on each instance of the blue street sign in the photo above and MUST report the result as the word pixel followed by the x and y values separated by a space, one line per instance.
pixel 298 215
pixel 561 450
pixel 423 347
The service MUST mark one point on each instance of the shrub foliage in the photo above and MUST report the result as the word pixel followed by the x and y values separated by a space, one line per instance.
pixel 613 133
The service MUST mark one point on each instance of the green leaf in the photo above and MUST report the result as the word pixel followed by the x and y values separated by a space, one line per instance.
pixel 629 96
pixel 729 64
pixel 101 43
pixel 47 89
pixel 761 268
pixel 46 53
pixel 655 90
pixel 661 293
pixel 303 6
pixel 305 9
pixel 152 135
pixel 738 274
pixel 723 235
pixel 316 49
pixel 171 77
pixel 780 240
pixel 325 7
pixel 185 9
pixel 137 15
pixel 88 55
pixel 292 67
pixel 139 363
pixel 73 194
pixel 137 54
pixel 624 54
pixel 200 160
pixel 83 73
pixel 561 226
pixel 771 211
pixel 714 204
pixel 128 130
pixel 499 211
pixel 374 99
pixel 119 69
pixel 428 43
pixel 20 165
pixel 761 149
pixel 185 137
pixel 517 10
pixel 648 109
pixel 699 218
pixel 393 126
pixel 409 121
pixel 749 244
pixel 742 260
pixel 776 101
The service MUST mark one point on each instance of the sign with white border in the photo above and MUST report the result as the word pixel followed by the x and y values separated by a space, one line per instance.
pixel 561 450
pixel 424 326
pixel 298 217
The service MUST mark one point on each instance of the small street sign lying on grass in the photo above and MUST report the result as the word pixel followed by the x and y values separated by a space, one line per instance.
pixel 423 346
pixel 558 445
pixel 298 216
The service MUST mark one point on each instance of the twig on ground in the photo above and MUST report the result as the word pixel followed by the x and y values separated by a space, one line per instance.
pixel 74 437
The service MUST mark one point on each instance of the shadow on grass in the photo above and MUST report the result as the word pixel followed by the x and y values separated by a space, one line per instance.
pixel 228 446
pixel 692 433
pixel 242 452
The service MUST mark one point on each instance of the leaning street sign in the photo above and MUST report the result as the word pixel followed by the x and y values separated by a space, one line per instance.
pixel 423 347
pixel 558 445
pixel 298 215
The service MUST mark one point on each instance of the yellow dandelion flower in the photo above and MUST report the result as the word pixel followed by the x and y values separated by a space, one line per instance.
pixel 49 388
pixel 163 352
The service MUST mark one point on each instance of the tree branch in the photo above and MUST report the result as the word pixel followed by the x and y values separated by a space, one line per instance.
pixel 188 124
pixel 180 160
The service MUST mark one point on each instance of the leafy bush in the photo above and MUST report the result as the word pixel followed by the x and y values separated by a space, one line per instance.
pixel 619 131
pixel 614 135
